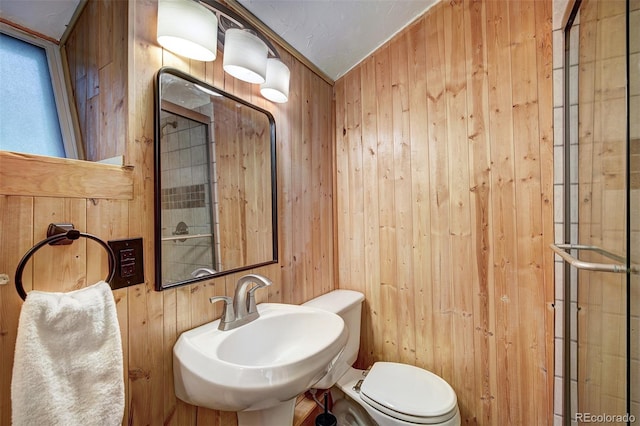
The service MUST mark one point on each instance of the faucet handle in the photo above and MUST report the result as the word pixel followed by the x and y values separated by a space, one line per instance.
pixel 228 315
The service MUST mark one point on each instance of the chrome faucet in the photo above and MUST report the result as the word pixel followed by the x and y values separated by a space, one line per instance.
pixel 241 309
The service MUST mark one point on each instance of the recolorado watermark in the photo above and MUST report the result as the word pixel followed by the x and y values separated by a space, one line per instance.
pixel 605 418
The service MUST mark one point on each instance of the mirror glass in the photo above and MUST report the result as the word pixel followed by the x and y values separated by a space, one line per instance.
pixel 215 192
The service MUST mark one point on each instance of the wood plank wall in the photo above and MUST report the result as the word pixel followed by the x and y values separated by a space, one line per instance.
pixel 444 174
pixel 34 192
pixel 151 321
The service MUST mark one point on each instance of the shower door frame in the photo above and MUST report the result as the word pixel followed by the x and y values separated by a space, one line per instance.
pixel 571 262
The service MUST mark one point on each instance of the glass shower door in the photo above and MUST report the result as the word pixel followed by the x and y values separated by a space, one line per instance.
pixel 633 23
pixel 602 210
pixel 602 206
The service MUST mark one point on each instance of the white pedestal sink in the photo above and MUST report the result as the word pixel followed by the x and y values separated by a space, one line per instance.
pixel 259 368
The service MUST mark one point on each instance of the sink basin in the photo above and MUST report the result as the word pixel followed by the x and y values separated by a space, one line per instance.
pixel 259 365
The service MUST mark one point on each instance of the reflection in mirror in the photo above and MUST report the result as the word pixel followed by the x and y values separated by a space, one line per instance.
pixel 215 182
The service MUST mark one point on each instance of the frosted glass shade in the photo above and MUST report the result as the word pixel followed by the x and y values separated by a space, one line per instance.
pixel 276 86
pixel 188 29
pixel 245 56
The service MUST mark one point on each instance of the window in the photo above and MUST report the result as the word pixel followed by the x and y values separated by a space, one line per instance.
pixel 34 112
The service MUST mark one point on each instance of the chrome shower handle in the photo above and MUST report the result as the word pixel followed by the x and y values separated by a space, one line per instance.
pixel 560 250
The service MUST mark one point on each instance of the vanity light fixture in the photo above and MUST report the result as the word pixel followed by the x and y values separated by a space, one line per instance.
pixel 276 86
pixel 249 55
pixel 187 28
pixel 196 29
pixel 245 56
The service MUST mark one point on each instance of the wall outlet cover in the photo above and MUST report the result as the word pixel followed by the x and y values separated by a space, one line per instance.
pixel 129 262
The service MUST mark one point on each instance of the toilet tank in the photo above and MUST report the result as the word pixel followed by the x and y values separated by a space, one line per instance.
pixel 347 304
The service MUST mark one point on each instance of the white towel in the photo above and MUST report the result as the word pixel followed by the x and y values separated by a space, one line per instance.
pixel 68 360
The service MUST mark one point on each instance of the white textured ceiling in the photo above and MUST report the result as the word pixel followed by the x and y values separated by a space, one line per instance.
pixel 335 35
pixel 48 17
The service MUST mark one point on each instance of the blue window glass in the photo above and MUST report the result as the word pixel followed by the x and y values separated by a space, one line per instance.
pixel 28 115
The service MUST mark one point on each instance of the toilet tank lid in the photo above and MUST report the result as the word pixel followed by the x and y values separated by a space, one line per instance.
pixel 336 301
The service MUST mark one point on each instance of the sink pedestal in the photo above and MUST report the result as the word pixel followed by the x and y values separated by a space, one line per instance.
pixel 281 414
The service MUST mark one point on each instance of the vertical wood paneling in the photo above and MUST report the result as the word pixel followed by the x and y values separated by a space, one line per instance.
pixel 529 214
pixel 304 164
pixel 480 206
pixel 386 288
pixel 294 150
pixel 284 289
pixel 544 67
pixel 370 324
pixel 403 285
pixel 420 181
pixel 315 203
pixel 301 143
pixel 441 310
pixel 323 159
pixel 502 201
pixel 342 177
pixel 353 172
pixel 232 215
pixel 125 53
pixel 526 186
pixel 16 216
pixel 96 53
pixel 455 97
pixel 69 274
pixel 108 220
pixel 146 346
pixel 463 161
pixel 441 191
pixel 52 268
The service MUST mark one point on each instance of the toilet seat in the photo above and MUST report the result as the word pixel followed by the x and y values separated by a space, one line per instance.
pixel 408 393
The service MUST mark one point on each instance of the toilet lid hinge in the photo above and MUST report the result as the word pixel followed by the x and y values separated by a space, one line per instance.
pixel 357 386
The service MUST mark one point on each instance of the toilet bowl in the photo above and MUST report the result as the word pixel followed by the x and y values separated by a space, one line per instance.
pixel 394 394
pixel 389 393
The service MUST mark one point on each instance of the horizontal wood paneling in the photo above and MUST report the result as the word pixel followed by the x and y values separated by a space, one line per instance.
pixel 443 189
pixel 35 175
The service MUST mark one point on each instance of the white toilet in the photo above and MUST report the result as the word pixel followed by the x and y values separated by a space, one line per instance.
pixel 389 394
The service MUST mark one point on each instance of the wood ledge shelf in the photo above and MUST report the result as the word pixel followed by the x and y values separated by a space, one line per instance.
pixel 41 176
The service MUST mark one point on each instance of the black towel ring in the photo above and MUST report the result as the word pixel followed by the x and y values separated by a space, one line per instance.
pixel 72 234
